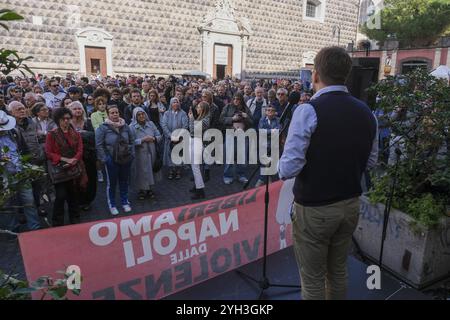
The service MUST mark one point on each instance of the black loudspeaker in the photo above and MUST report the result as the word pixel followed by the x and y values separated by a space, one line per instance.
pixel 365 73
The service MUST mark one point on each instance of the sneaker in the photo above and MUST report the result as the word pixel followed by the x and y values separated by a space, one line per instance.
pixel 141 195
pixel 228 180
pixel 114 211
pixel 127 208
pixel 243 180
pixel 100 176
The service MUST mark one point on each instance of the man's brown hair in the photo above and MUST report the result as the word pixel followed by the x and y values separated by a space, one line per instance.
pixel 333 64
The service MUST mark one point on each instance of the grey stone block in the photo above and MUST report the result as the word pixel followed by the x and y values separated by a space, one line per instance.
pixel 419 257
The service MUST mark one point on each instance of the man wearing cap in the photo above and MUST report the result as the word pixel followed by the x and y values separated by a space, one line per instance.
pixel 11 146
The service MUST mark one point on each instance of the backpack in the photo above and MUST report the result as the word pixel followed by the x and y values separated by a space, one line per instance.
pixel 121 151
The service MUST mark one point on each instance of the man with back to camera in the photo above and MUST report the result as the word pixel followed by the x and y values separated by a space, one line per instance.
pixel 332 140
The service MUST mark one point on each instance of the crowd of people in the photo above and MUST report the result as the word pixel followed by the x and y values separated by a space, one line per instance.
pixel 118 130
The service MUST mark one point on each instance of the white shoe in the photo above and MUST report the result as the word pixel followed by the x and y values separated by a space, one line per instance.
pixel 243 180
pixel 114 211
pixel 127 208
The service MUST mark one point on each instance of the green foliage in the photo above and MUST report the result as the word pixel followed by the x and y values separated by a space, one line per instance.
pixel 426 209
pixel 417 109
pixel 413 23
pixel 56 289
pixel 10 183
pixel 10 59
pixel 8 15
pixel 9 62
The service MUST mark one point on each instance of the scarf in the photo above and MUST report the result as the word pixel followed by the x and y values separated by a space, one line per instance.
pixel 68 150
pixel 115 125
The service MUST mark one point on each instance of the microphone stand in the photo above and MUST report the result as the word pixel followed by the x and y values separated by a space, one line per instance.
pixel 388 206
pixel 264 283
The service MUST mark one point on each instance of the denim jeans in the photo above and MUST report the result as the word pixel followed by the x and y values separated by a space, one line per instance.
pixel 25 198
pixel 231 169
pixel 117 173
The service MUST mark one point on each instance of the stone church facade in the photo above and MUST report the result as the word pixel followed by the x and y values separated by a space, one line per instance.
pixel 245 38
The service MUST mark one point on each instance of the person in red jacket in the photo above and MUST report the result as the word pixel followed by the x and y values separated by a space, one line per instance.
pixel 64 147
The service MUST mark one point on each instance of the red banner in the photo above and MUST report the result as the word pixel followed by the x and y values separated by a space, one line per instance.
pixel 153 255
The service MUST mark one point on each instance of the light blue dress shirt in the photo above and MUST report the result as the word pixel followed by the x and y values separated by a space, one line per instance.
pixel 303 126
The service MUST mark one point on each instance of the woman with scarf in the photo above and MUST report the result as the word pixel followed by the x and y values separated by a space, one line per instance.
pixel 117 155
pixel 64 147
pixel 83 126
pixel 173 119
pixel 146 136
pixel 155 108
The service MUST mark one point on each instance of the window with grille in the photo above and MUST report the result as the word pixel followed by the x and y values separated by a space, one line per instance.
pixel 311 9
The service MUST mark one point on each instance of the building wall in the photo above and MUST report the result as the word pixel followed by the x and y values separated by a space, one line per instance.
pixel 162 37
pixel 436 57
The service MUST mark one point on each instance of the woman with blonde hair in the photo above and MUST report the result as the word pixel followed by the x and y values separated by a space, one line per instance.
pixel 197 126
pixel 99 115
pixel 155 109
pixel 83 126
pixel 98 118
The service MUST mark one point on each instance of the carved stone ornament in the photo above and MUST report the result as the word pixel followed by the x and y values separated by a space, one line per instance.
pixel 95 37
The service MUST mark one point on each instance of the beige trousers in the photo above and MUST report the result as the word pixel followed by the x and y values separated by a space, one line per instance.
pixel 322 239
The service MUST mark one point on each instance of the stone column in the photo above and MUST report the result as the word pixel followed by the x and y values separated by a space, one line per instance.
pixel 394 62
pixel 448 57
pixel 437 58
pixel 244 57
pixel 204 51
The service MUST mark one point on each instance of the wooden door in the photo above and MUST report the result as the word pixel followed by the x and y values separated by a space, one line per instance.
pixel 223 61
pixel 96 61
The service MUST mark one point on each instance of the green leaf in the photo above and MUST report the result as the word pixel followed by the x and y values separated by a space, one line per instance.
pixel 76 292
pixel 10 16
pixel 25 290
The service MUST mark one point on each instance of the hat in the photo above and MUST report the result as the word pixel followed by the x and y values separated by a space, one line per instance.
pixel 73 89
pixel 6 122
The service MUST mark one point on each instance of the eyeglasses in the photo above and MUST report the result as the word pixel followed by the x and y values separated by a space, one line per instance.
pixel 54 86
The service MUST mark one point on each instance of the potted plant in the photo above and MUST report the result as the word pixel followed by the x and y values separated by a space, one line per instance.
pixel 416 180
